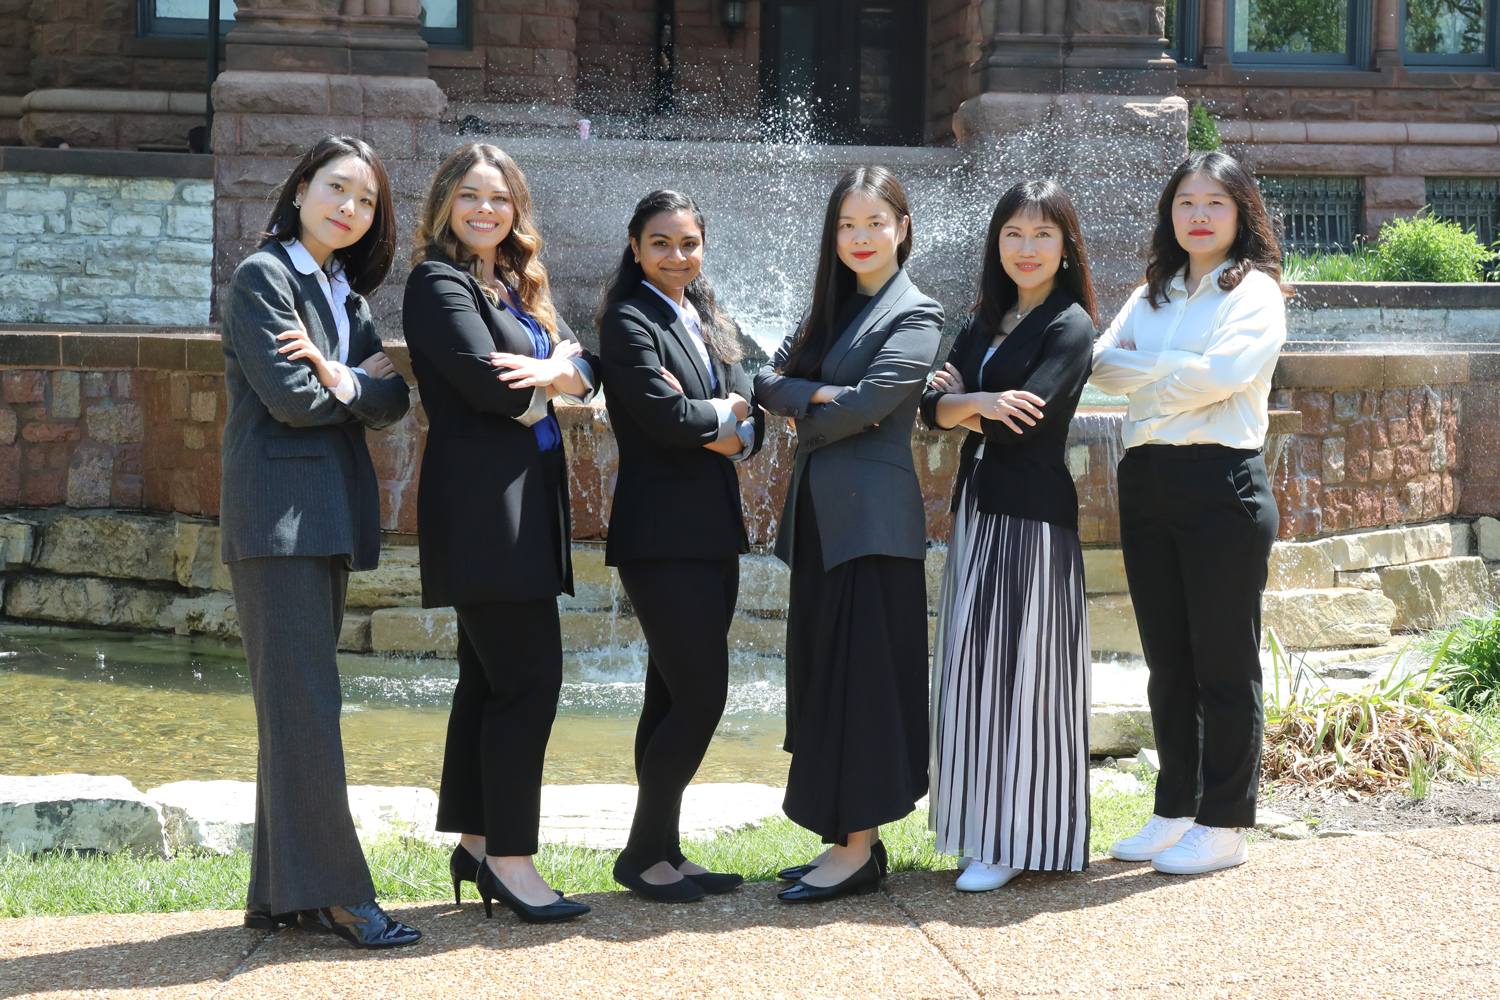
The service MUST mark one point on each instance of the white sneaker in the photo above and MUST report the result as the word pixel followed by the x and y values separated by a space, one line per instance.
pixel 1203 849
pixel 980 876
pixel 1156 836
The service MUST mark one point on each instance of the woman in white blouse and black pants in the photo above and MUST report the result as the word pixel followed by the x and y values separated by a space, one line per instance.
pixel 1194 349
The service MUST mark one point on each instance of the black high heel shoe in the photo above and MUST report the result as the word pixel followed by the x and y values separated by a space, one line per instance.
pixel 712 883
pixel 685 890
pixel 798 872
pixel 491 888
pixel 463 867
pixel 364 925
pixel 861 883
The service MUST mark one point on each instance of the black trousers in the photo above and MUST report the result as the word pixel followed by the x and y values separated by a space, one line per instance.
pixel 509 678
pixel 1196 527
pixel 685 607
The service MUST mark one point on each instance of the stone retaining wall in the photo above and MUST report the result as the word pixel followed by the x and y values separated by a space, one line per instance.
pixel 1414 312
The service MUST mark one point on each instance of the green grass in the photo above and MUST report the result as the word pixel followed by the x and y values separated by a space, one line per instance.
pixel 1360 264
pixel 412 871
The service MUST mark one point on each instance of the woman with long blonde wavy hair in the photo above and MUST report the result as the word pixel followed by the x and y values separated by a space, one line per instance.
pixel 490 353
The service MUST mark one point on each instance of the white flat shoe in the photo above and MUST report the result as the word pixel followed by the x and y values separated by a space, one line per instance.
pixel 963 863
pixel 1156 836
pixel 981 876
pixel 1203 849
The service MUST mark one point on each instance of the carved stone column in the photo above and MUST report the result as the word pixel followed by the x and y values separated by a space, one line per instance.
pixel 1214 20
pixel 1387 48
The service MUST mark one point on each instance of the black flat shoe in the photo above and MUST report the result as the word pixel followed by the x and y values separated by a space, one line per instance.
pixel 798 872
pixel 364 925
pixel 265 920
pixel 491 888
pixel 685 890
pixel 463 867
pixel 714 883
pixel 861 883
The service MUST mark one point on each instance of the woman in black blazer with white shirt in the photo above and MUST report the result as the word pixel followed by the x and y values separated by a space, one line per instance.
pixel 679 406
pixel 1011 662
pixel 489 352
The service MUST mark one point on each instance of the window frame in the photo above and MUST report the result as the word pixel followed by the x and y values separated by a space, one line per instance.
pixel 1356 58
pixel 1187 50
pixel 148 25
pixel 1437 61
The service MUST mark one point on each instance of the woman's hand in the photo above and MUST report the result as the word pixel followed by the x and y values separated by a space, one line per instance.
pixel 672 381
pixel 947 379
pixel 301 348
pixel 741 407
pixel 826 393
pixel 524 372
pixel 378 365
pixel 1010 406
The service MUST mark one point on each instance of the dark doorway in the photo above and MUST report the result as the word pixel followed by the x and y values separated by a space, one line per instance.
pixel 844 71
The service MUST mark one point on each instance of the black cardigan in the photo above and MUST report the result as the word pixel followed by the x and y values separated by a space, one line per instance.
pixel 484 507
pixel 1049 353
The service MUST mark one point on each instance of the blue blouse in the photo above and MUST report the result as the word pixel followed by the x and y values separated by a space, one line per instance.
pixel 548 433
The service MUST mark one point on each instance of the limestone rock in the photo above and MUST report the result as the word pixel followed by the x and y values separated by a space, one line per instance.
pixel 753 634
pixel 1149 759
pixel 384 809
pixel 1428 541
pixel 395 583
pixel 213 816
pixel 197 557
pixel 1265 819
pixel 1368 549
pixel 1487 530
pixel 599 816
pixel 88 601
pixel 354 637
pixel 1428 593
pixel 933 567
pixel 1119 731
pixel 1103 782
pixel 207 614
pixel 1340 616
pixel 132 546
pixel 583 631
pixel 414 630
pixel 1364 579
pixel 19 538
pixel 588 566
pixel 1301 566
pixel 79 812
pixel 765 584
pixel 1112 624
pixel 1462 538
pixel 1293 831
pixel 1104 572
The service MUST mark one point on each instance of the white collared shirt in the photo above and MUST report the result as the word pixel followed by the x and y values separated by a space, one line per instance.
pixel 336 290
pixel 1199 368
pixel 729 424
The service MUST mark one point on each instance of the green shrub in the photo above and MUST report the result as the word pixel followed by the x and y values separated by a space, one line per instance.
pixel 1203 131
pixel 1469 665
pixel 1425 248
pixel 1360 264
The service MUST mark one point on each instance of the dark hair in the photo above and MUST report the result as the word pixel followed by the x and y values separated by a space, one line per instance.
pixel 368 260
pixel 1256 245
pixel 834 281
pixel 997 290
pixel 721 332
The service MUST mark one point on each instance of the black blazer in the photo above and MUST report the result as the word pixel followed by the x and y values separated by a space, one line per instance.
pixel 674 499
pixel 485 508
pixel 297 476
pixel 1050 353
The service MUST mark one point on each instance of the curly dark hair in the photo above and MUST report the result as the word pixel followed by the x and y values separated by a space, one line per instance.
pixel 1257 244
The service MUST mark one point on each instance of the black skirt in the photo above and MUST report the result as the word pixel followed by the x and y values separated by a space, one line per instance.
pixel 856 673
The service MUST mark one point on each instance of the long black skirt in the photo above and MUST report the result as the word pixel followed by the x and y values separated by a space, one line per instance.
pixel 856 671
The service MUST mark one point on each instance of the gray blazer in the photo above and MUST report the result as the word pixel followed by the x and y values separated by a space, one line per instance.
pixel 298 480
pixel 865 491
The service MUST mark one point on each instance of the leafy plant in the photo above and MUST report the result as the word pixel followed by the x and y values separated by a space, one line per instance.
pixel 1203 131
pixel 1359 264
pixel 1470 663
pixel 1424 248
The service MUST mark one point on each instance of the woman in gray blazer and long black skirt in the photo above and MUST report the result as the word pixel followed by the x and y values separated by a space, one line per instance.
pixel 299 509
pixel 854 534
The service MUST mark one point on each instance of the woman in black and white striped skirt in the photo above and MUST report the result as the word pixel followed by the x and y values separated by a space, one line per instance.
pixel 1011 662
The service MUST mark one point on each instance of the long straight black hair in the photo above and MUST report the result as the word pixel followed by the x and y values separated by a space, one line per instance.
pixel 1256 245
pixel 997 290
pixel 834 281
pixel 368 260
pixel 718 329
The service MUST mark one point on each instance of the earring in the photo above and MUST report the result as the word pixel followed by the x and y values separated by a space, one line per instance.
pixel 296 202
pixel 1065 263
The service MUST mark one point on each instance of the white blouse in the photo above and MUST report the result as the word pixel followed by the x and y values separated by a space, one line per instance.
pixel 1198 369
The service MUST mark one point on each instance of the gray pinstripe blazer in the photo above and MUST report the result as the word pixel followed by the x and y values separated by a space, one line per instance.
pixel 298 480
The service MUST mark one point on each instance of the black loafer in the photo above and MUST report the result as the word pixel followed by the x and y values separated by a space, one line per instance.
pixel 684 890
pixel 798 872
pixel 364 925
pixel 863 882
pixel 714 883
pixel 265 920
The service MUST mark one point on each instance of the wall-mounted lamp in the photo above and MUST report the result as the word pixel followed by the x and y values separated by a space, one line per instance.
pixel 732 16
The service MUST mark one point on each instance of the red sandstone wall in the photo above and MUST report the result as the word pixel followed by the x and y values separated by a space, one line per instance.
pixel 84 43
pixel 952 46
pixel 1400 95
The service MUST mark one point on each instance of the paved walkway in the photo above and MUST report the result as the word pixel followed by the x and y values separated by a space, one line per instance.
pixel 1398 916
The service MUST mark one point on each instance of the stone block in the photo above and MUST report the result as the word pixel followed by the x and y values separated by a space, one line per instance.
pixel 28 199
pixel 86 600
pixel 765 584
pixel 1368 549
pixel 1301 566
pixel 130 224
pixel 148 189
pixel 380 810
pixel 212 614
pixel 51 258
pixel 214 817
pixel 1318 619
pixel 1426 594
pixel 77 812
pixel 197 192
pixel 184 252
pixel 1487 533
pixel 354 635
pixel 1462 538
pixel 1119 732
pixel 196 557
pixel 1112 626
pixel 584 631
pixel 19 537
pixel 191 222
pixel 174 280
pixel 65 396
pixel 132 546
pixel 395 583
pixel 414 630
pixel 27 286
pixel 115 423
pixel 1428 541
pixel 599 816
pixel 249 92
pixel 91 473
pixel 1104 572
pixel 1364 579
pixel 753 634
pixel 934 566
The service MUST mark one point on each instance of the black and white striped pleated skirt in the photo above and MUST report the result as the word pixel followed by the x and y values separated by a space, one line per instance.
pixel 1010 698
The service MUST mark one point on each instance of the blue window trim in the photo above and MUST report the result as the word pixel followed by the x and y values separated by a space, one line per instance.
pixel 1435 61
pixel 1186 52
pixel 148 25
pixel 1356 56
